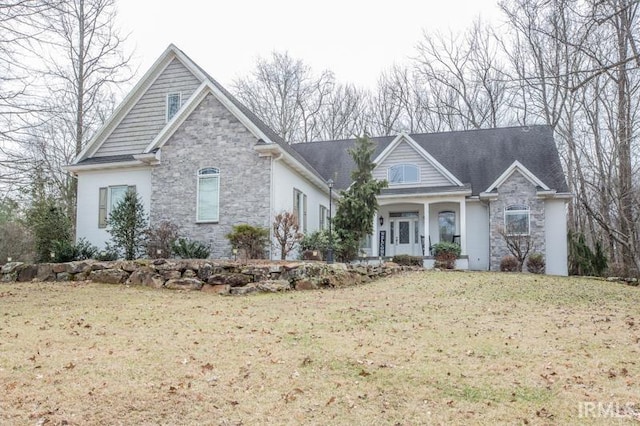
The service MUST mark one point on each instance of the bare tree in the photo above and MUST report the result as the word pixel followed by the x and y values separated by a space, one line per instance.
pixel 286 95
pixel 82 64
pixel 286 232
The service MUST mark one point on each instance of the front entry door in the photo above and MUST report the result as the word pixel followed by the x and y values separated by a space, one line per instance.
pixel 404 235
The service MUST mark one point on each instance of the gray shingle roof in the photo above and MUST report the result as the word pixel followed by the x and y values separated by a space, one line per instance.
pixel 475 157
pixel 107 159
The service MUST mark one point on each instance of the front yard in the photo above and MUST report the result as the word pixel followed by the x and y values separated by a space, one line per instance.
pixel 423 347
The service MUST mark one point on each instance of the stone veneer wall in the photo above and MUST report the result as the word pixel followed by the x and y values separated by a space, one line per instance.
pixel 222 277
pixel 515 190
pixel 211 137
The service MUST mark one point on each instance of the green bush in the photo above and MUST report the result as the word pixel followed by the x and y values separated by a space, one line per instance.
pixel 446 254
pixel 406 260
pixel 536 263
pixel 49 224
pixel 318 240
pixel 252 241
pixel 64 251
pixel 188 249
pixel 107 255
pixel 509 264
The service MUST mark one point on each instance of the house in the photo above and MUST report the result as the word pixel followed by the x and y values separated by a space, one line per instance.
pixel 199 158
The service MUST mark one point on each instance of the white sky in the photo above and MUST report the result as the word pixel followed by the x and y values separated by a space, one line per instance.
pixel 354 39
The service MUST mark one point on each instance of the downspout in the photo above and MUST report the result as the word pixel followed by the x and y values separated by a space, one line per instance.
pixel 272 197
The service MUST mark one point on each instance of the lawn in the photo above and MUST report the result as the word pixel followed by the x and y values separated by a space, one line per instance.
pixel 420 348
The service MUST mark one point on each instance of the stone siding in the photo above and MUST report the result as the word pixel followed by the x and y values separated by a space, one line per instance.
pixel 212 137
pixel 515 190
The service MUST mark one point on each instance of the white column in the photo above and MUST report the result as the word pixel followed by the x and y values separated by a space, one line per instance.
pixel 426 229
pixel 463 226
pixel 375 236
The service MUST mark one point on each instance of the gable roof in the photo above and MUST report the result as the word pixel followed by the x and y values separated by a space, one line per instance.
pixel 403 137
pixel 475 157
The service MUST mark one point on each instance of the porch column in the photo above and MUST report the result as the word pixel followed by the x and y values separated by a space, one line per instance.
pixel 426 229
pixel 374 237
pixel 463 226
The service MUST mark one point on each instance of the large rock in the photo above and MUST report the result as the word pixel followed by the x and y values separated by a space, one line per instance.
pixel 274 286
pixel 306 284
pixel 45 272
pixel 171 274
pixel 58 267
pixel 109 276
pixel 232 279
pixel 27 273
pixel 249 288
pixel 146 276
pixel 77 267
pixel 218 289
pixel 10 267
pixel 205 271
pixel 184 284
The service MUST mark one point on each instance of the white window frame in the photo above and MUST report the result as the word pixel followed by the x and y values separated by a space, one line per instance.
pixel 208 173
pixel 300 208
pixel 110 201
pixel 516 210
pixel 403 180
pixel 169 116
pixel 324 218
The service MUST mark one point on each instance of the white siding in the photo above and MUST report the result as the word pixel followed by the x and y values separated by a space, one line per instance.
pixel 555 234
pixel 89 184
pixel 148 116
pixel 406 154
pixel 284 181
pixel 478 236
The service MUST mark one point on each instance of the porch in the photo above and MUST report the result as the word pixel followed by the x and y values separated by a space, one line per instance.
pixel 412 223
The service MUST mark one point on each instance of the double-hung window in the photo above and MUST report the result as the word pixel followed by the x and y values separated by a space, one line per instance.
pixel 404 173
pixel 109 198
pixel 324 217
pixel 208 208
pixel 516 219
pixel 300 208
pixel 173 104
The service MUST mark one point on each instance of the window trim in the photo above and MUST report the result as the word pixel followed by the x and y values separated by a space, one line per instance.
pixel 517 209
pixel 105 202
pixel 300 206
pixel 200 176
pixel 169 95
pixel 455 225
pixel 404 167
pixel 323 222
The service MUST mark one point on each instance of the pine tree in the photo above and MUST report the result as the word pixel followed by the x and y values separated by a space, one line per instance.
pixel 358 204
pixel 128 226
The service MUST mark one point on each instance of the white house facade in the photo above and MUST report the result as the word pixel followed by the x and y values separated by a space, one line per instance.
pixel 200 159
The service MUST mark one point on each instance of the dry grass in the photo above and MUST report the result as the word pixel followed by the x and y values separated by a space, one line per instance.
pixel 429 347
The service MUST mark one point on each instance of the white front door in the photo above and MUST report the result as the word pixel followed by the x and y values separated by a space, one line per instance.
pixel 405 236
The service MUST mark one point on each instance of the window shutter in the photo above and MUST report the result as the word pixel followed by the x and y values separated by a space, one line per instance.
pixel 304 213
pixel 102 208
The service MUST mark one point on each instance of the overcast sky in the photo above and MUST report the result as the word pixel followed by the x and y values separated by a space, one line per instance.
pixel 354 39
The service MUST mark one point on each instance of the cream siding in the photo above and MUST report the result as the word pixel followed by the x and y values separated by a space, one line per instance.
pixel 148 116
pixel 406 154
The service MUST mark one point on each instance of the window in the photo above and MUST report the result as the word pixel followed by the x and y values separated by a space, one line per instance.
pixel 108 199
pixel 447 226
pixel 208 208
pixel 173 104
pixel 300 208
pixel 516 219
pixel 403 173
pixel 324 217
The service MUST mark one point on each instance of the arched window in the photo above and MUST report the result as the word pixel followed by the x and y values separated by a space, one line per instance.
pixel 447 226
pixel 208 208
pixel 404 173
pixel 516 219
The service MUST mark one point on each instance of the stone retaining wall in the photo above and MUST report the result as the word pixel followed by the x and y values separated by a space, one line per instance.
pixel 222 277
